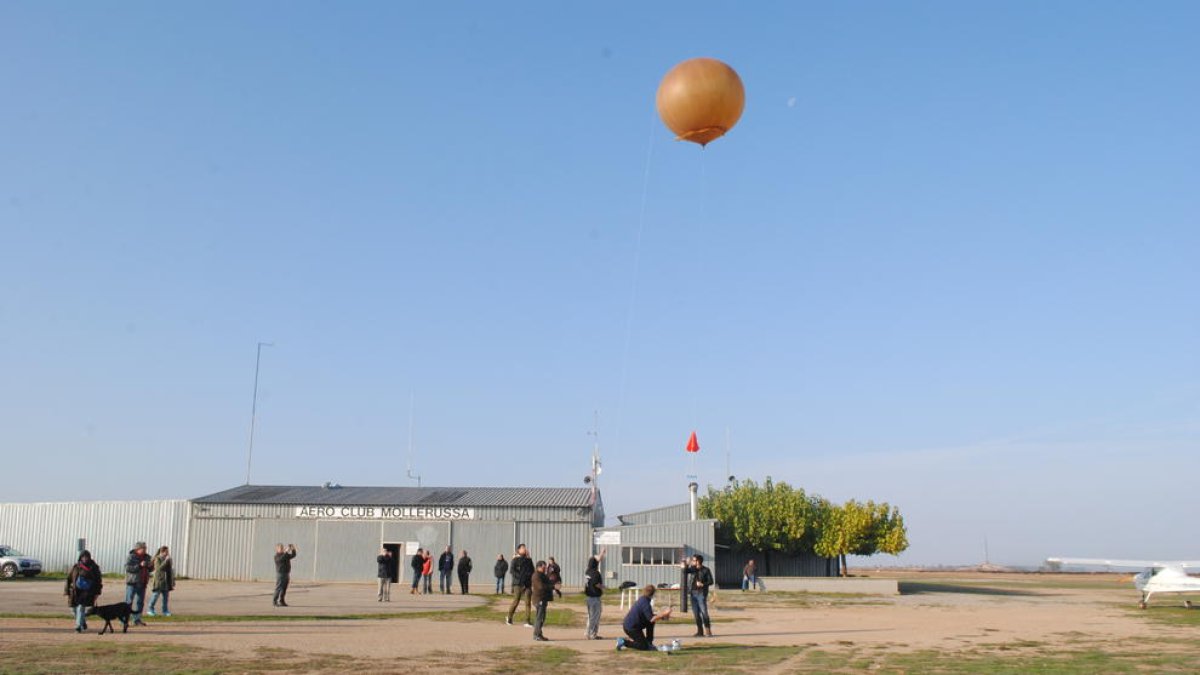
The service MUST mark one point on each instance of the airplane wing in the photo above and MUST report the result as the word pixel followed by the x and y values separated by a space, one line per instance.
pixel 1139 564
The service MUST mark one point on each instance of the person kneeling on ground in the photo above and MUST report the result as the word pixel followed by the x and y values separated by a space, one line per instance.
pixel 639 622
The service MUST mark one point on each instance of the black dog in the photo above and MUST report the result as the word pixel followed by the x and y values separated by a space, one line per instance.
pixel 120 611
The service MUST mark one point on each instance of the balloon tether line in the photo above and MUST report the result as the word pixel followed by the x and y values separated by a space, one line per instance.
pixel 633 282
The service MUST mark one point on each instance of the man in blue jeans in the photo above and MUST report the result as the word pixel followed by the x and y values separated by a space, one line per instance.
pixel 445 567
pixel 699 579
pixel 137 575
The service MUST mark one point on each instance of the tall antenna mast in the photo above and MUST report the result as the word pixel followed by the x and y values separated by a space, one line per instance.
pixel 412 404
pixel 728 471
pixel 596 470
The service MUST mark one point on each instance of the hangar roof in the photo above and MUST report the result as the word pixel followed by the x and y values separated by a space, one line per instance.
pixel 401 496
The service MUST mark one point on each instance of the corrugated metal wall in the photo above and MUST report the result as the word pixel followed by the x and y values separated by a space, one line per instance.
pixel 237 542
pixel 668 514
pixel 347 551
pixel 483 541
pixel 219 548
pixel 770 563
pixel 49 531
pixel 482 513
pixel 569 543
pixel 268 532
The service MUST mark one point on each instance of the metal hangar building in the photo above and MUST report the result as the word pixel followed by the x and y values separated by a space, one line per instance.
pixel 339 530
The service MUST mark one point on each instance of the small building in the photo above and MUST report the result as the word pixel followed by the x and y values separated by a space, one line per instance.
pixel 653 544
pixel 649 547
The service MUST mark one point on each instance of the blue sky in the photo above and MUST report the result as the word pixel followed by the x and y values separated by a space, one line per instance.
pixel 947 259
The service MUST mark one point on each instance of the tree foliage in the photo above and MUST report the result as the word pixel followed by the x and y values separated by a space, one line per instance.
pixel 778 517
pixel 770 517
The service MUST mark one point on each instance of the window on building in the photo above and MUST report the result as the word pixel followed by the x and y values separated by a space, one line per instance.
pixel 652 555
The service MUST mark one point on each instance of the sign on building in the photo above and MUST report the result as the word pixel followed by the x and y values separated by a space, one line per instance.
pixel 386 512
pixel 608 538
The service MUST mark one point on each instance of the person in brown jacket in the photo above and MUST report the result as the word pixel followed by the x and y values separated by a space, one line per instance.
pixel 543 594
pixel 83 587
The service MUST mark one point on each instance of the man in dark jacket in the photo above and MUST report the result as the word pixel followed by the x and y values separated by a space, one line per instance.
pixel 522 571
pixel 384 560
pixel 639 622
pixel 699 579
pixel 416 563
pixel 283 572
pixel 593 590
pixel 500 571
pixel 137 574
pixel 464 573
pixel 445 567
pixel 543 593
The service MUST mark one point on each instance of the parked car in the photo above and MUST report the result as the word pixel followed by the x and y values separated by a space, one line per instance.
pixel 13 562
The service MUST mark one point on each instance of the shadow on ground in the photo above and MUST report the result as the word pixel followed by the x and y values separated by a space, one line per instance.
pixel 927 588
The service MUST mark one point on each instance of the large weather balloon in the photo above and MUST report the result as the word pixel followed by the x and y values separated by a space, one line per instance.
pixel 700 100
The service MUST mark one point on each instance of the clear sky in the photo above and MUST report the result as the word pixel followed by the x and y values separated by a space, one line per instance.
pixel 948 259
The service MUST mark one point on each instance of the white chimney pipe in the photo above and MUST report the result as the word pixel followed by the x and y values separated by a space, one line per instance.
pixel 692 487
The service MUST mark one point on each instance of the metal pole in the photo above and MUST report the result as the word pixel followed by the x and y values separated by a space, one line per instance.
pixel 254 407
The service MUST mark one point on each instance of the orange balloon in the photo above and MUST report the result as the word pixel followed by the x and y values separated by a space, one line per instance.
pixel 700 100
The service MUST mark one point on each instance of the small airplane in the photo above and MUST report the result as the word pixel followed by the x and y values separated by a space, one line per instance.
pixel 1157 576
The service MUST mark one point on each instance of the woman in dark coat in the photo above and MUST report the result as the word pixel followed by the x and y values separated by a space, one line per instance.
pixel 83 587
pixel 500 570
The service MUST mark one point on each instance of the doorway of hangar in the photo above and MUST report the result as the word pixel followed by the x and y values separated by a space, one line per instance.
pixel 397 560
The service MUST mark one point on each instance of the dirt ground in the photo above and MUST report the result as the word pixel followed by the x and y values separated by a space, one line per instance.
pixel 946 612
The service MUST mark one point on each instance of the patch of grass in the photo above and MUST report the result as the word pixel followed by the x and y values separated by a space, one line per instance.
pixel 715 657
pixel 794 599
pixel 537 660
pixel 1172 616
pixel 1094 660
pixel 120 656
pixel 497 611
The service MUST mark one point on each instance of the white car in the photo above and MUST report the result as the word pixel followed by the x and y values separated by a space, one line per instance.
pixel 13 562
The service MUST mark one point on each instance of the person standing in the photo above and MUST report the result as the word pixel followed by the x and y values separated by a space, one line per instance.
pixel 554 571
pixel 283 572
pixel 543 594
pixel 417 563
pixel 500 571
pixel 137 576
pixel 84 582
pixel 639 622
pixel 699 580
pixel 445 567
pixel 750 576
pixel 427 573
pixel 593 590
pixel 464 572
pixel 162 581
pixel 522 571
pixel 385 562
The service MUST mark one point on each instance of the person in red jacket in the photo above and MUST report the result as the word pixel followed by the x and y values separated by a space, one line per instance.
pixel 427 574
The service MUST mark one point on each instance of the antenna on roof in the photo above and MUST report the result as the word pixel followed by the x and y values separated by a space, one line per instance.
pixel 412 404
pixel 596 469
pixel 728 471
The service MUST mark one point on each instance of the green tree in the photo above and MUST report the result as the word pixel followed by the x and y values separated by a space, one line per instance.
pixel 857 528
pixel 777 517
pixel 768 517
